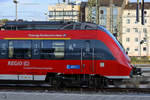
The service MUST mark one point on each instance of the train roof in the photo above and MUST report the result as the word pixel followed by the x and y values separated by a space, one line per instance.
pixel 48 25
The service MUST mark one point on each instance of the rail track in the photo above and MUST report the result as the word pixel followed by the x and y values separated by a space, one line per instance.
pixel 145 78
pixel 78 90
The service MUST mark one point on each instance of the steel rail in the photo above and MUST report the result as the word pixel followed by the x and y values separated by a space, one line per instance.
pixel 51 89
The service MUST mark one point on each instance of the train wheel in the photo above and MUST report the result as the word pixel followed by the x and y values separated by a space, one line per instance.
pixel 100 83
pixel 59 85
pixel 105 83
pixel 117 83
pixel 91 84
pixel 51 81
pixel 97 83
pixel 55 82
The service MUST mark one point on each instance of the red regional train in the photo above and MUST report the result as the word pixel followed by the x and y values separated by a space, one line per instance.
pixel 62 53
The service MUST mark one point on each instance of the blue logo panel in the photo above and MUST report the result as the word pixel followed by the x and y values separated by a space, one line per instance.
pixel 73 66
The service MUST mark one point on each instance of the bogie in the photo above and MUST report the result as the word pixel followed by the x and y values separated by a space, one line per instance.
pixel 61 80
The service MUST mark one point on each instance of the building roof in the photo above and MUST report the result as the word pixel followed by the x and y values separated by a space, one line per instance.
pixel 118 3
pixel 133 6
pixel 115 2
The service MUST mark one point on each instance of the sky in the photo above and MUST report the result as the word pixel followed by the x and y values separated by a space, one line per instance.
pixel 29 9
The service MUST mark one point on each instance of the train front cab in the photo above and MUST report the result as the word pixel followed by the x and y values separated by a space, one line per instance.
pixel 119 67
pixel 122 66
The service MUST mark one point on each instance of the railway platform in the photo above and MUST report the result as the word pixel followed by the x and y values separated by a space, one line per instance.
pixel 69 96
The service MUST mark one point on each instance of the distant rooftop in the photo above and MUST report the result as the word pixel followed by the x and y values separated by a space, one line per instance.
pixel 115 2
pixel 133 5
pixel 118 3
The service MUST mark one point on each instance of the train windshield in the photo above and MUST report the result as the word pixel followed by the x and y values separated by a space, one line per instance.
pixel 105 30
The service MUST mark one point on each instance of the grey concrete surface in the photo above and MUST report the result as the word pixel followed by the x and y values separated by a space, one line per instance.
pixel 63 96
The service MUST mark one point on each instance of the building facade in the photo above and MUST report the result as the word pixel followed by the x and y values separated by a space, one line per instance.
pixel 136 37
pixel 64 12
pixel 110 14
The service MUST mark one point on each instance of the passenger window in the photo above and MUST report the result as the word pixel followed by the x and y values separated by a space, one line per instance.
pixel 87 46
pixel 3 49
pixel 19 49
pixel 87 50
pixel 36 49
pixel 46 51
pixel 52 49
pixel 59 47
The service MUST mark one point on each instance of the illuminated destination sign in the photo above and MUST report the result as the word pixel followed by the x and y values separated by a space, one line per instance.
pixel 47 35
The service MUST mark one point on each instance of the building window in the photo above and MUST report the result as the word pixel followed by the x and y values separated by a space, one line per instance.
pixel 101 11
pixel 136 39
pixel 144 48
pixel 145 39
pixel 145 21
pixel 136 22
pixel 127 39
pixel 136 30
pixel 128 21
pixel 145 30
pixel 51 13
pixel 128 49
pixel 136 49
pixel 145 12
pixel 128 30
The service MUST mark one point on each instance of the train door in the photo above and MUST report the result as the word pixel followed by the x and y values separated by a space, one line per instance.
pixel 87 57
pixel 81 54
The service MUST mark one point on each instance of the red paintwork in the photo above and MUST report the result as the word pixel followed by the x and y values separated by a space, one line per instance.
pixel 118 67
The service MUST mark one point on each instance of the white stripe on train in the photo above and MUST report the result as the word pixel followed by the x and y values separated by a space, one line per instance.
pixel 42 77
pixel 22 77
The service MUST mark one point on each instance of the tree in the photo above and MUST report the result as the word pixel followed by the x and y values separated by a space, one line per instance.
pixel 4 20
